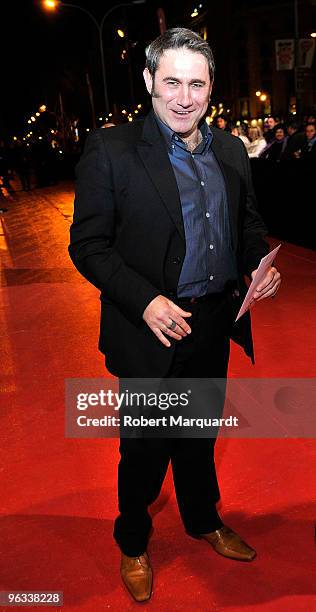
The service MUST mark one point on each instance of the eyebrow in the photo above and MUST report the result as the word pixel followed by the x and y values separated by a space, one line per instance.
pixel 171 78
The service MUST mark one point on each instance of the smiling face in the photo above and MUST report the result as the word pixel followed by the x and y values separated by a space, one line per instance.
pixel 180 90
pixel 279 134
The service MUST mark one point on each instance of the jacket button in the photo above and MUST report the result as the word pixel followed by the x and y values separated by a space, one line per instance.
pixel 176 260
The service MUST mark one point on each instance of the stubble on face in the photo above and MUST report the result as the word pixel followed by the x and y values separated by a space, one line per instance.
pixel 180 89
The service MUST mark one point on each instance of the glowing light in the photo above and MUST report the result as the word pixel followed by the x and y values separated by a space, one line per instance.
pixel 37 114
pixel 50 4
pixel 29 121
pixel 263 97
pixel 313 34
pixel 87 129
pixel 195 13
pixel 100 118
pixel 110 115
pixel 136 111
pixel 258 93
pixel 42 108
pixel 253 123
pixel 121 33
pixel 124 112
pixel 130 118
pixel 139 105
pixel 33 118
pixel 40 138
pixel 14 138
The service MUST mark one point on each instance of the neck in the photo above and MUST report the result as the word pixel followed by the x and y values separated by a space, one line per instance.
pixel 193 140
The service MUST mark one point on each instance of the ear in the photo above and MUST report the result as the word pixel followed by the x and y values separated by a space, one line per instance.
pixel 148 80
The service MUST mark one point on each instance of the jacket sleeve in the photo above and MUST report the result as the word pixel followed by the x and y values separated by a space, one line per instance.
pixel 92 235
pixel 254 230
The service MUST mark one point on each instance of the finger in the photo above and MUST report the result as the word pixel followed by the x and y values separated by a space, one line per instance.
pixel 271 276
pixel 173 333
pixel 161 337
pixel 178 329
pixel 271 293
pixel 174 316
pixel 275 279
pixel 180 311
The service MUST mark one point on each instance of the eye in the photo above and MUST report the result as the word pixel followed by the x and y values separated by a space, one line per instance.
pixel 197 85
pixel 172 83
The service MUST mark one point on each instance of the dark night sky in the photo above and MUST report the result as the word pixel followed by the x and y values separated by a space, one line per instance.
pixel 43 53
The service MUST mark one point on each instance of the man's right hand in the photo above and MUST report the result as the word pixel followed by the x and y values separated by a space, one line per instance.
pixel 159 315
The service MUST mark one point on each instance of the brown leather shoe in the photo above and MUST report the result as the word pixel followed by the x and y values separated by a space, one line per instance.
pixel 137 576
pixel 229 544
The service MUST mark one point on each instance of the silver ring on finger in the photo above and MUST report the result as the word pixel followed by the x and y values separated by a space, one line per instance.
pixel 172 325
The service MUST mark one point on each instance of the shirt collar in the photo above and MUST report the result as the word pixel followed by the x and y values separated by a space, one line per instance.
pixel 173 139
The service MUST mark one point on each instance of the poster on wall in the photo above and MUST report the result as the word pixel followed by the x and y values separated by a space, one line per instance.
pixel 285 54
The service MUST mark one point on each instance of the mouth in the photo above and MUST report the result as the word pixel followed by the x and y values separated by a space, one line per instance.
pixel 182 113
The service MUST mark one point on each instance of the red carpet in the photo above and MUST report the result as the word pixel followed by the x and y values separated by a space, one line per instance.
pixel 59 495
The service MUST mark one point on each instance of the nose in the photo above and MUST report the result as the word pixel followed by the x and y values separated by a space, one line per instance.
pixel 184 98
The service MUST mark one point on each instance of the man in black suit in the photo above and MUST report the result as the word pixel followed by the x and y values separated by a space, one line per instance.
pixel 166 226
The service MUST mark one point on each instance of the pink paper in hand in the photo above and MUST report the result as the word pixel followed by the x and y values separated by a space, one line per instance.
pixel 263 268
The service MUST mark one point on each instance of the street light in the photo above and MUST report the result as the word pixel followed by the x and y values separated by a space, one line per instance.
pixel 53 4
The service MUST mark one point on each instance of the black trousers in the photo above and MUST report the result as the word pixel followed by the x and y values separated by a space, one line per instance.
pixel 144 461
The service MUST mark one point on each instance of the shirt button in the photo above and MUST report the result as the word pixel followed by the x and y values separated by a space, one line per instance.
pixel 173 146
pixel 211 246
pixel 202 183
pixel 207 215
pixel 192 155
pixel 176 138
pixel 211 277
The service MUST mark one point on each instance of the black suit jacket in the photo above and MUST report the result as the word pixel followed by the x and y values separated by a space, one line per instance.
pixel 127 236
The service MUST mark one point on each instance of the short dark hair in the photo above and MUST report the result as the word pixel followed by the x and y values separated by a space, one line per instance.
pixel 279 126
pixel 178 38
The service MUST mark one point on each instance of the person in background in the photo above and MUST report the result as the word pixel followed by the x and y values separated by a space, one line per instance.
pixel 21 154
pixel 295 139
pixel 221 122
pixel 269 125
pixel 308 150
pixel 5 167
pixel 241 132
pixel 257 142
pixel 274 150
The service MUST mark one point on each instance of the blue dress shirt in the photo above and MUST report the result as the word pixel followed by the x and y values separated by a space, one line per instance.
pixel 209 260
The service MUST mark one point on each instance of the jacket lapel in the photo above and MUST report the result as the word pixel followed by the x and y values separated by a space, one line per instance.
pixel 153 153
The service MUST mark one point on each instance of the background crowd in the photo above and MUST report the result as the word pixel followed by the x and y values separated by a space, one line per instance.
pixel 43 162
